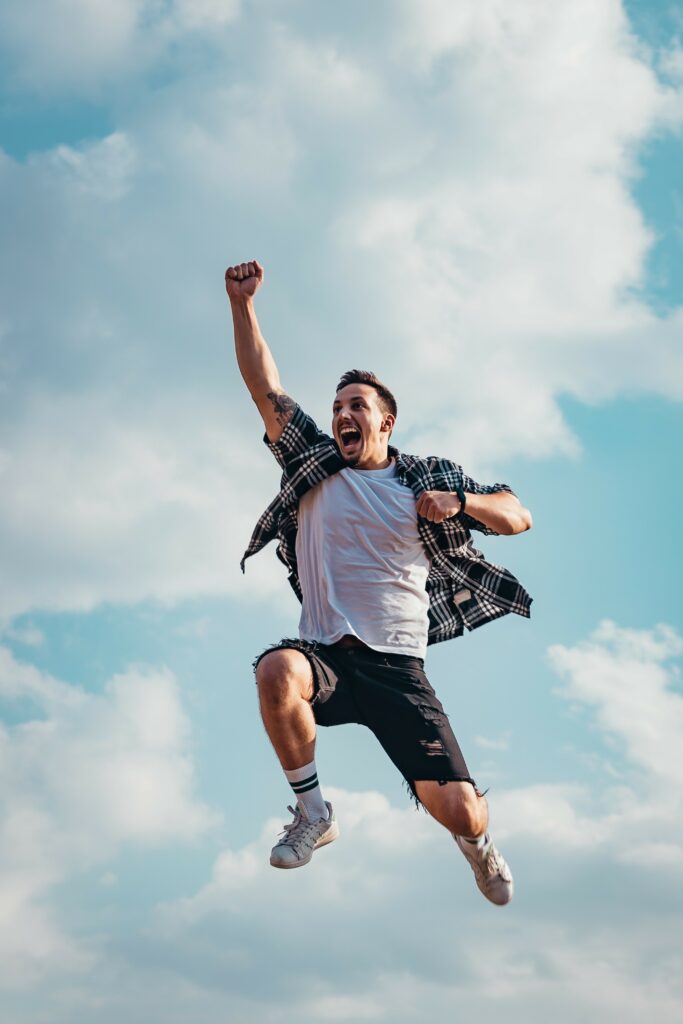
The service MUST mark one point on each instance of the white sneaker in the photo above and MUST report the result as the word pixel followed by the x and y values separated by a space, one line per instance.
pixel 490 870
pixel 302 836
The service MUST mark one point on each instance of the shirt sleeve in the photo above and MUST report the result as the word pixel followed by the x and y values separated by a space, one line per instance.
pixel 300 433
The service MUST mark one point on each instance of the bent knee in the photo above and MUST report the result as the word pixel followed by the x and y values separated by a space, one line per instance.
pixel 457 805
pixel 470 824
pixel 471 815
pixel 282 674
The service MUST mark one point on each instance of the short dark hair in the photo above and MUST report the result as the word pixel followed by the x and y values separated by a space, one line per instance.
pixel 387 401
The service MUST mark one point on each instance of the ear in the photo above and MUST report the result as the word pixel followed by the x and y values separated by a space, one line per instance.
pixel 388 423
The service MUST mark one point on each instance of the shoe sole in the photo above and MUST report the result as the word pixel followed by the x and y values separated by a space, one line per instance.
pixel 329 837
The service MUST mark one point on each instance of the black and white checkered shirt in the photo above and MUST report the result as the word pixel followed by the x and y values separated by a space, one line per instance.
pixel 464 589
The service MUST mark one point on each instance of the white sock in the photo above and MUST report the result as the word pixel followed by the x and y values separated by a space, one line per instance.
pixel 304 782
pixel 478 841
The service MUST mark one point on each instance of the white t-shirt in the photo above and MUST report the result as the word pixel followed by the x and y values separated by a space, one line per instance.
pixel 362 565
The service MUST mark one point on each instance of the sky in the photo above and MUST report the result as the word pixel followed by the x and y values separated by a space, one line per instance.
pixel 482 203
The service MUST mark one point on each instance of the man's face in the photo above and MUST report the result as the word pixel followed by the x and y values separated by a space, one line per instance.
pixel 359 426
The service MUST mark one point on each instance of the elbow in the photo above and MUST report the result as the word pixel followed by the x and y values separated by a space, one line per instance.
pixel 525 521
pixel 519 522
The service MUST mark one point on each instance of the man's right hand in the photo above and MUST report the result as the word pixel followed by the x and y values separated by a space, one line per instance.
pixel 242 280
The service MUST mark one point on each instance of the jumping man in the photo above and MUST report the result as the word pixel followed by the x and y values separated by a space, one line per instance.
pixel 379 552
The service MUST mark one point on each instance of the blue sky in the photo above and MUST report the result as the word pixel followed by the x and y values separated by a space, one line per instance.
pixel 482 203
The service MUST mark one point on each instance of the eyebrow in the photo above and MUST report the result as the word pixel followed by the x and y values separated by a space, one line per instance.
pixel 354 398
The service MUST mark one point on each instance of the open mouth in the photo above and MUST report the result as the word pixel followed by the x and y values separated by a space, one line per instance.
pixel 349 437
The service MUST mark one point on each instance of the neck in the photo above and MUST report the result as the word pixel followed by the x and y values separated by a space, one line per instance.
pixel 375 462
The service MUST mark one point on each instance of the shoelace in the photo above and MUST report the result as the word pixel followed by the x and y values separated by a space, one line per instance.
pixel 493 865
pixel 490 863
pixel 297 833
pixel 492 860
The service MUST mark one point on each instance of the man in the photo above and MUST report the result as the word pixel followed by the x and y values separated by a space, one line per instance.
pixel 378 548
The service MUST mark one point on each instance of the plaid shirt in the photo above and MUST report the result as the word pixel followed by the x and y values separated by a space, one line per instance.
pixel 464 589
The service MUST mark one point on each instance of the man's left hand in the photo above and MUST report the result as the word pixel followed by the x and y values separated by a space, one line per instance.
pixel 437 505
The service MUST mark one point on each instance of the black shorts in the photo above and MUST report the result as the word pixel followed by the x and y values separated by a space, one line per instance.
pixel 391 695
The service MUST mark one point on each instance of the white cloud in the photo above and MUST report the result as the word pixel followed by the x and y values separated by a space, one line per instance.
pixel 389 915
pixel 27 635
pixel 575 850
pixel 97 504
pixel 553 814
pixel 103 168
pixel 507 273
pixel 67 42
pixel 671 62
pixel 623 674
pixel 83 774
pixel 458 209
pixel 489 743
pixel 325 78
pixel 206 15
pixel 405 933
pixel 623 678
pixel 462 210
pixel 84 45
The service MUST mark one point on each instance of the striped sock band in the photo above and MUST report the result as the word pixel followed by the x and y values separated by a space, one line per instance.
pixel 304 782
pixel 303 787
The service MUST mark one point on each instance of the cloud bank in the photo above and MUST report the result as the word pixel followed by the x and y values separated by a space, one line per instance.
pixel 386 924
pixel 453 207
pixel 83 775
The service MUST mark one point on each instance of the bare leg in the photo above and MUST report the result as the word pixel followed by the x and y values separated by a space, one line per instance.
pixel 460 809
pixel 456 805
pixel 285 687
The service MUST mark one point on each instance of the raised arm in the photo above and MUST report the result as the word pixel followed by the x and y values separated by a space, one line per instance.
pixel 254 358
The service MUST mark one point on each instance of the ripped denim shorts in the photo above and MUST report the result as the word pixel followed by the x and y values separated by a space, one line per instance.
pixel 391 695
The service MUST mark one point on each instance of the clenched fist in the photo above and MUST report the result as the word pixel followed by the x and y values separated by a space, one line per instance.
pixel 438 505
pixel 242 280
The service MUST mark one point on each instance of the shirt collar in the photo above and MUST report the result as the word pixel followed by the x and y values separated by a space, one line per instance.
pixel 401 466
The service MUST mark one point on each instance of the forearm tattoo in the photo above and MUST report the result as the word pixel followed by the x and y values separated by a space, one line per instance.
pixel 283 405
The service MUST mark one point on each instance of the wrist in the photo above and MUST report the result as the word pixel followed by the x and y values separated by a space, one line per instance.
pixel 241 302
